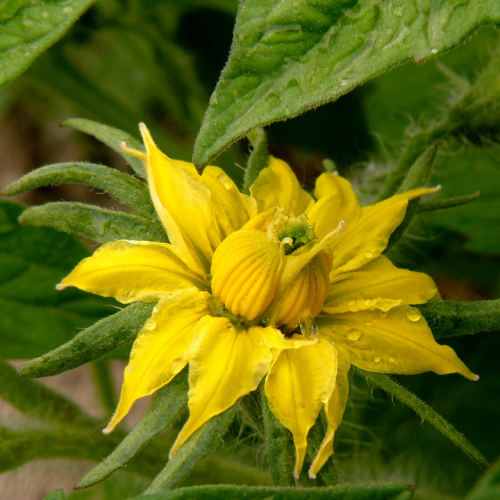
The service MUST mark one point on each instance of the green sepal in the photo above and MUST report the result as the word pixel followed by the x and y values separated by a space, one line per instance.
pixel 56 495
pixel 98 224
pixel 113 138
pixel 425 412
pixel 279 445
pixel 196 448
pixel 488 486
pixel 36 400
pixel 416 177
pixel 227 492
pixel 166 406
pixel 449 318
pixel 121 186
pixel 451 202
pixel 327 475
pixel 258 159
pixel 92 343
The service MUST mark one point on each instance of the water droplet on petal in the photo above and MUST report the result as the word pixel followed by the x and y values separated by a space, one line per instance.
pixel 413 314
pixel 353 334
pixel 352 303
pixel 368 302
pixel 383 313
pixel 376 359
pixel 229 326
pixel 301 406
pixel 368 255
pixel 150 324
pixel 308 326
pixel 324 397
pixel 391 360
pixel 368 321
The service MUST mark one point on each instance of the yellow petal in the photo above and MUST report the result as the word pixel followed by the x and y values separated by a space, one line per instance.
pixel 277 186
pixel 226 363
pixel 336 201
pixel 162 347
pixel 366 238
pixel 378 285
pixel 133 271
pixel 299 383
pixel 334 411
pixel 398 341
pixel 183 203
pixel 228 202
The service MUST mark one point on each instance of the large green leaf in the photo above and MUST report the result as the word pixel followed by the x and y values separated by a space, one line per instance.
pixel 290 56
pixel 29 27
pixel 226 492
pixel 35 316
pixel 488 487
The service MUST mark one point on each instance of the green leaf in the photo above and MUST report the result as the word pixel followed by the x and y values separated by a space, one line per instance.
pixel 93 343
pixel 35 316
pixel 448 318
pixel 431 206
pixel 56 495
pixel 225 492
pixel 113 138
pixel 197 447
pixel 288 57
pixel 168 403
pixel 258 159
pixel 279 445
pixel 121 186
pixel 28 28
pixel 37 400
pixel 416 177
pixel 488 487
pixel 93 222
pixel 424 411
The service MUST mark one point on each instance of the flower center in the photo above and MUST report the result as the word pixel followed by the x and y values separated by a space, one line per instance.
pixel 273 271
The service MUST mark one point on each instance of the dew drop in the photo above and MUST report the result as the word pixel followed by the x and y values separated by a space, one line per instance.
pixel 229 326
pixel 368 255
pixel 67 10
pixel 368 321
pixel 391 360
pixel 413 314
pixel 150 324
pixel 376 359
pixel 301 406
pixel 352 303
pixel 353 334
pixel 368 302
pixel 45 14
pixel 383 314
pixel 324 397
pixel 308 326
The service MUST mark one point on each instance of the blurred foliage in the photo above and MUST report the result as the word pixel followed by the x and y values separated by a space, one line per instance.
pixel 127 61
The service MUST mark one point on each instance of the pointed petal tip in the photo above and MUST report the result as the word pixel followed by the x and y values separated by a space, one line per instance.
pixel 61 286
pixel 312 475
pixel 474 377
pixel 108 430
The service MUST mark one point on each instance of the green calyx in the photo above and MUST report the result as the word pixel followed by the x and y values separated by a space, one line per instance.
pixel 296 236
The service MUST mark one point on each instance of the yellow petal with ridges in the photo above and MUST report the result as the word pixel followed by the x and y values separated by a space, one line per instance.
pixel 228 202
pixel 336 201
pixel 299 383
pixel 184 205
pixel 277 186
pixel 334 410
pixel 161 349
pixel 398 341
pixel 378 285
pixel 366 238
pixel 133 271
pixel 225 364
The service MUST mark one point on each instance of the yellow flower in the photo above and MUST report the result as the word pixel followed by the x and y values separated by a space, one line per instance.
pixel 276 285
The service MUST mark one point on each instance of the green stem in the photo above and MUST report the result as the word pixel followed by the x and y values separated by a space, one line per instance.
pixel 105 386
pixel 280 447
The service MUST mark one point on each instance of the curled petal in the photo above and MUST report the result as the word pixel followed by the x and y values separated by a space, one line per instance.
pixel 334 410
pixel 183 203
pixel 161 349
pixel 277 186
pixel 299 383
pixel 133 270
pixel 225 364
pixel 365 238
pixel 398 341
pixel 378 285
